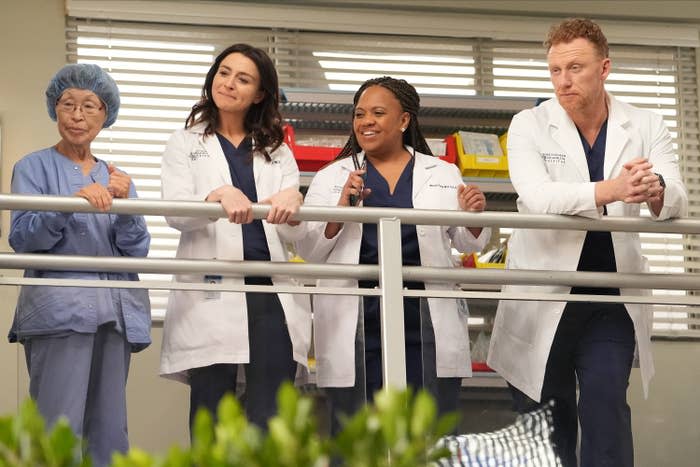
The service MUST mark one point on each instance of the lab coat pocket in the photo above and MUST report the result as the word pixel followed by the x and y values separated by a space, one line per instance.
pixel 520 320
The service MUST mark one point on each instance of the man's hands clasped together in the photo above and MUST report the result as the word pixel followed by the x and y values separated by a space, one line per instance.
pixel 638 184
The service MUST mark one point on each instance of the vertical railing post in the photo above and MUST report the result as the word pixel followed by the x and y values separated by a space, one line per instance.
pixel 391 303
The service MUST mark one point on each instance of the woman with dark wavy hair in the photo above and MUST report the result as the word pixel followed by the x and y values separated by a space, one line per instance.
pixel 231 152
pixel 262 120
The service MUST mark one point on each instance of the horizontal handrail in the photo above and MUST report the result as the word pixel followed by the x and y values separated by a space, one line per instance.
pixel 687 281
pixel 389 271
pixel 683 300
pixel 367 215
pixel 184 266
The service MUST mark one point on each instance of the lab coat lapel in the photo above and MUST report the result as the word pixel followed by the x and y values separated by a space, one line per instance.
pixel 213 147
pixel 258 163
pixel 617 137
pixel 421 171
pixel 564 132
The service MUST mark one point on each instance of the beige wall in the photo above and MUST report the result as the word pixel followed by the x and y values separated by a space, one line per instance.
pixel 666 426
pixel 32 49
pixel 31 36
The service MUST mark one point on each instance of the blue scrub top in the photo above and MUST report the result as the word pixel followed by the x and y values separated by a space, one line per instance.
pixel 598 253
pixel 47 310
pixel 240 165
pixel 401 198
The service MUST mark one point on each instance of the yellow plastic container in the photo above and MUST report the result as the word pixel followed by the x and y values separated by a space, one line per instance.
pixel 480 265
pixel 503 140
pixel 480 165
pixel 472 260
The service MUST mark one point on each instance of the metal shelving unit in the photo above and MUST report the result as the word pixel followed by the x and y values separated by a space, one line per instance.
pixel 330 112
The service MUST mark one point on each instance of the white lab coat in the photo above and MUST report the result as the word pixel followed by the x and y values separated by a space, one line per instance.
pixel 198 330
pixel 435 185
pixel 549 172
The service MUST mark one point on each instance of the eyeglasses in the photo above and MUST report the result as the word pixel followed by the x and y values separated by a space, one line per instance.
pixel 86 108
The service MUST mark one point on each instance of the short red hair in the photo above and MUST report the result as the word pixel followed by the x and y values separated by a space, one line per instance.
pixel 575 28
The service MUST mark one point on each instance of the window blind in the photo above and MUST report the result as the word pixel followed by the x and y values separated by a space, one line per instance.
pixel 160 69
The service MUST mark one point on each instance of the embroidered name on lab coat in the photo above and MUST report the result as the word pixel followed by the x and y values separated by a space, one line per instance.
pixel 553 158
pixel 440 185
pixel 198 154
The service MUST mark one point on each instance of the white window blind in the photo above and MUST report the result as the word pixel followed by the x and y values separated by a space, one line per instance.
pixel 160 69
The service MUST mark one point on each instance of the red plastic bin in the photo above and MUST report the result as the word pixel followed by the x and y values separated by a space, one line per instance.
pixel 312 158
pixel 481 367
pixel 450 150
pixel 309 158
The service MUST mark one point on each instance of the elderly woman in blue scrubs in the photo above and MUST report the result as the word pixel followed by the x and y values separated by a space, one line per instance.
pixel 78 341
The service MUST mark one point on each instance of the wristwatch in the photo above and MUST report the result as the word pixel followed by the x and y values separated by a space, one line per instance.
pixel 662 182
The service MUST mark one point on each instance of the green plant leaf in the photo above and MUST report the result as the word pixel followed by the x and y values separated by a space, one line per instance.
pixel 203 437
pixel 60 447
pixel 398 430
pixel 134 458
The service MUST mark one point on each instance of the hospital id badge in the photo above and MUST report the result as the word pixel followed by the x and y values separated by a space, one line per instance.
pixel 212 294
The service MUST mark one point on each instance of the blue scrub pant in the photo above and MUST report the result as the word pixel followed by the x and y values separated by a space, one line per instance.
pixel 594 343
pixel 421 370
pixel 83 377
pixel 271 364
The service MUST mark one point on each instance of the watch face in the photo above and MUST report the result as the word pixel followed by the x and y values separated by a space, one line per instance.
pixel 662 182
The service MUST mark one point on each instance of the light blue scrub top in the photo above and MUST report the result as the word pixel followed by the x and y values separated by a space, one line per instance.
pixel 47 310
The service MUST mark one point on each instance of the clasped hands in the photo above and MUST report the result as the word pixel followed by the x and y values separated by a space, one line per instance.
pixel 638 184
pixel 101 196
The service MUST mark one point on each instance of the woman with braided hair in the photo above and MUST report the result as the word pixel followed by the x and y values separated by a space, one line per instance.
pixel 387 163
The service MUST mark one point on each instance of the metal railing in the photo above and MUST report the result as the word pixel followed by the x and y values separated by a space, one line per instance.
pixel 390 272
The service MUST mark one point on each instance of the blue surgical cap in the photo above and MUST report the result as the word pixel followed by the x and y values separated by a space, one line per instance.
pixel 84 76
